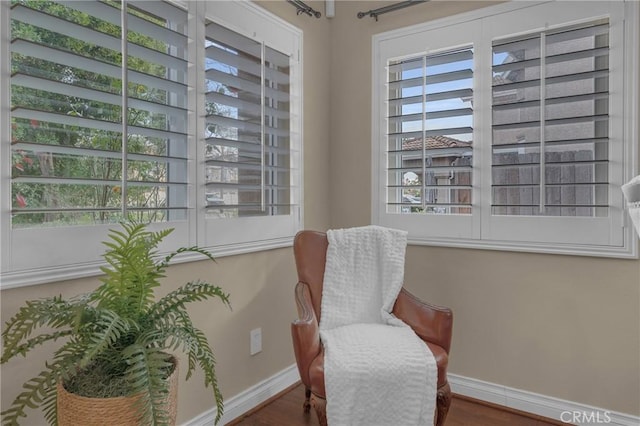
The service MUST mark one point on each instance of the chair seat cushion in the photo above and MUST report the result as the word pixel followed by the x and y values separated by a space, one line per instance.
pixel 316 369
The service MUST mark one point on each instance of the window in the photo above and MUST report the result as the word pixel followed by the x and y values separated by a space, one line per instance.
pixel 550 123
pixel 509 128
pixel 247 127
pixel 430 133
pixel 107 120
pixel 71 107
pixel 251 131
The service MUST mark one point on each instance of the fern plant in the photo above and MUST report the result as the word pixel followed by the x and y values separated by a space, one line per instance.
pixel 119 332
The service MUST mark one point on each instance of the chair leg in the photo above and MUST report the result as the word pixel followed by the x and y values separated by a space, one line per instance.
pixel 307 405
pixel 320 405
pixel 443 401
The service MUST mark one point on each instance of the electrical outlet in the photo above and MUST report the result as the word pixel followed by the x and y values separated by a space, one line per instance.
pixel 256 341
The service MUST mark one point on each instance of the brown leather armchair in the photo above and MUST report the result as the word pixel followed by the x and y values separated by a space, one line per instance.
pixel 431 323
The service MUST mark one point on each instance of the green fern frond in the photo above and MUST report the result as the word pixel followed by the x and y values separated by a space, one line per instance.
pixel 194 249
pixel 155 238
pixel 132 276
pixel 41 389
pixel 204 356
pixel 148 369
pixel 194 342
pixel 52 312
pixel 108 328
pixel 66 358
pixel 50 408
pixel 192 351
pixel 11 416
pixel 190 292
pixel 33 342
pixel 199 352
pixel 197 346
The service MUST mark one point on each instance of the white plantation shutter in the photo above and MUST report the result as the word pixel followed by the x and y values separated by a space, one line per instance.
pixel 247 126
pixel 92 142
pixel 509 128
pixel 551 123
pixel 430 129
pixel 252 131
pixel 67 100
pixel 198 129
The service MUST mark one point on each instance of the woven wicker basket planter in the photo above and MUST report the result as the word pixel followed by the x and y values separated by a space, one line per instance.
pixel 74 410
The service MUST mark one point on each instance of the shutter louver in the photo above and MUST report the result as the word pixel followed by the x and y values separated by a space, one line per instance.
pixel 247 126
pixel 550 123
pixel 430 129
pixel 67 101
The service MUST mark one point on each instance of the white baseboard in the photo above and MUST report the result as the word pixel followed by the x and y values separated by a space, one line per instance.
pixel 238 405
pixel 542 405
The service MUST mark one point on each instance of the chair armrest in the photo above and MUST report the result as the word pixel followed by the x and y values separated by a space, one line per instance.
pixel 305 333
pixel 432 323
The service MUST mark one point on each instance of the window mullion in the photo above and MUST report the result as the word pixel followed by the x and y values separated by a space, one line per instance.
pixel 262 123
pixel 125 105
pixel 543 54
pixel 423 197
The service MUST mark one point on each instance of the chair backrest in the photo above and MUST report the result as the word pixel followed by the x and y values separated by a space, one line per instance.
pixel 310 252
pixel 430 322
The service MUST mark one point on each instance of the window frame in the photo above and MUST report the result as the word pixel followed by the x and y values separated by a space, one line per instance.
pixel 525 233
pixel 57 262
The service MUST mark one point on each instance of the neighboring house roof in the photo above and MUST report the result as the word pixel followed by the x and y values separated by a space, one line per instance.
pixel 434 142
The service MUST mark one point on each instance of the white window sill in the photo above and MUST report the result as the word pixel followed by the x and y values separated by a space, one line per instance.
pixel 628 251
pixel 37 276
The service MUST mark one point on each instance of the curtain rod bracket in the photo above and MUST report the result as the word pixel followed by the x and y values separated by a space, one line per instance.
pixel 370 13
pixel 374 13
pixel 302 7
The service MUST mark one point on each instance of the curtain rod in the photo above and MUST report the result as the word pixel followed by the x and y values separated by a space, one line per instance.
pixel 374 13
pixel 303 8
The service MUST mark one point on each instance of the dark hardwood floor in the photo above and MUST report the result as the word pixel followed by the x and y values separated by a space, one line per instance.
pixel 286 410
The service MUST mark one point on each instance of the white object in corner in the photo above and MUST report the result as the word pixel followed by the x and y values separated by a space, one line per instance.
pixel 329 8
pixel 631 191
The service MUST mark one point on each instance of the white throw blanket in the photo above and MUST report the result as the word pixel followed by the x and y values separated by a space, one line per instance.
pixel 377 370
pixel 631 191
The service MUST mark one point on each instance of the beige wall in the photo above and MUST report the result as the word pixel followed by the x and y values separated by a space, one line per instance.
pixel 562 326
